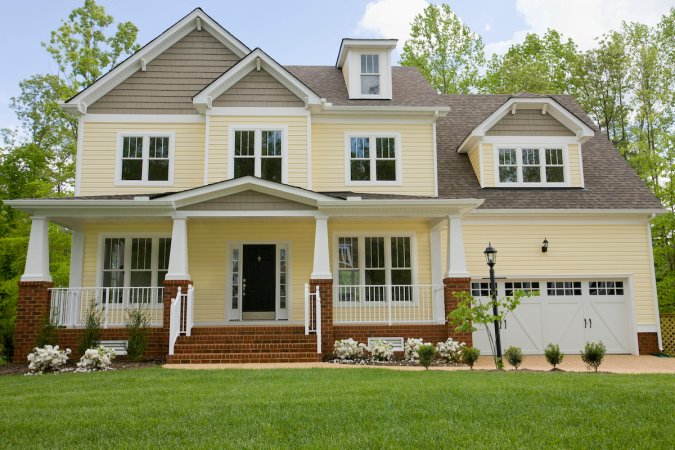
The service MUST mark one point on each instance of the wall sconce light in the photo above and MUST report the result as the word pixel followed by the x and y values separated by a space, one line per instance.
pixel 544 246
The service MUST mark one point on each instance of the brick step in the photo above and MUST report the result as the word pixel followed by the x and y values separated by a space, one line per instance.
pixel 247 330
pixel 214 358
pixel 239 348
pixel 262 339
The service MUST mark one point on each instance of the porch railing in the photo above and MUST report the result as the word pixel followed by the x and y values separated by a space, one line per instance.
pixel 385 303
pixel 69 306
pixel 313 315
pixel 181 314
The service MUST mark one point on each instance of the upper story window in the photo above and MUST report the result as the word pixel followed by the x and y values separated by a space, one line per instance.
pixel 370 74
pixel 145 158
pixel 259 152
pixel 531 166
pixel 373 159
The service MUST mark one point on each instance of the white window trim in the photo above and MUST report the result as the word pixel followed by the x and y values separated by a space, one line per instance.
pixel 373 158
pixel 146 149
pixel 362 73
pixel 387 260
pixel 542 163
pixel 258 128
pixel 127 254
pixel 353 66
pixel 235 315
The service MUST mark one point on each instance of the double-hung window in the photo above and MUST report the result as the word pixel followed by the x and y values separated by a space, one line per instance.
pixel 137 264
pixel 530 166
pixel 145 158
pixel 375 268
pixel 373 159
pixel 370 75
pixel 258 152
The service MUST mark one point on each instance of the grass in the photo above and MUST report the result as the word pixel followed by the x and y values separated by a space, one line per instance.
pixel 336 408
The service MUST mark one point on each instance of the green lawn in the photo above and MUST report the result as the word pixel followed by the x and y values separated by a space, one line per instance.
pixel 336 408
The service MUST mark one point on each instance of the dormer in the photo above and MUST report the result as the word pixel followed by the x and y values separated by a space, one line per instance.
pixel 366 67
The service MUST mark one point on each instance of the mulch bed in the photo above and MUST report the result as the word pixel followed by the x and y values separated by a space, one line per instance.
pixel 20 369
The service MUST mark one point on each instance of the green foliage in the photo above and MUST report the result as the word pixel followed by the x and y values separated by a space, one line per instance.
pixel 593 354
pixel 49 333
pixel 138 329
pixel 553 355
pixel 445 50
pixel 91 337
pixel 514 355
pixel 426 354
pixel 470 356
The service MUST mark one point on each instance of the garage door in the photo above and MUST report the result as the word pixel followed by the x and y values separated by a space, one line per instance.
pixel 568 313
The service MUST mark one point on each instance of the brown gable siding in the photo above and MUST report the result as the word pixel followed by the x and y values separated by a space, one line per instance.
pixel 529 122
pixel 247 201
pixel 258 89
pixel 170 80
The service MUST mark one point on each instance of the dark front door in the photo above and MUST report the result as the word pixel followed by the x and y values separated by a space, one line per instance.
pixel 259 281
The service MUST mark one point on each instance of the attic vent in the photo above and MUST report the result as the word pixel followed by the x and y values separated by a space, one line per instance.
pixel 396 342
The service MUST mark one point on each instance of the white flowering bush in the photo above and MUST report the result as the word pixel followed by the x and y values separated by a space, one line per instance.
pixel 99 358
pixel 411 348
pixel 450 351
pixel 349 349
pixel 47 358
pixel 381 350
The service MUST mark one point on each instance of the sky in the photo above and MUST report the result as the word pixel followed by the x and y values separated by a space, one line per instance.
pixel 308 32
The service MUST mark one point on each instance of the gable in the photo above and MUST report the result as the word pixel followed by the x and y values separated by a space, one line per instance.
pixel 247 201
pixel 258 89
pixel 171 79
pixel 529 122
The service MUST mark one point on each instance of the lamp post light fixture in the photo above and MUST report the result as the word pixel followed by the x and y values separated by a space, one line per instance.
pixel 544 246
pixel 491 259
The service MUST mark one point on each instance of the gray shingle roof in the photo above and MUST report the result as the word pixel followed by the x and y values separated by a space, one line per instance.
pixel 610 183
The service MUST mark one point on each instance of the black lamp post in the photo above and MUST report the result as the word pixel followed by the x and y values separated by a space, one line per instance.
pixel 491 258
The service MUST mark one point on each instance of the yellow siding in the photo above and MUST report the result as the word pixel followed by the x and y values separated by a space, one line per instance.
pixel 474 158
pixel 575 166
pixel 93 231
pixel 100 150
pixel 574 249
pixel 328 157
pixel 297 144
pixel 488 165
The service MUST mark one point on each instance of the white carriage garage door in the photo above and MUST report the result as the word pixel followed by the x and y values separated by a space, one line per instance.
pixel 568 313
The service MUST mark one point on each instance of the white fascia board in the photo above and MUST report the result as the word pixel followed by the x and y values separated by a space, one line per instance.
pixel 346 44
pixel 555 109
pixel 437 111
pixel 399 208
pixel 582 211
pixel 144 118
pixel 243 68
pixel 149 52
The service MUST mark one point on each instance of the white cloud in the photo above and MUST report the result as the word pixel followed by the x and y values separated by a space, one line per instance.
pixel 487 27
pixel 390 19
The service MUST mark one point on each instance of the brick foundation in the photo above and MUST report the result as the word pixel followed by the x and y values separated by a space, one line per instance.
pixel 453 286
pixel 361 333
pixel 648 343
pixel 326 292
pixel 157 348
pixel 31 312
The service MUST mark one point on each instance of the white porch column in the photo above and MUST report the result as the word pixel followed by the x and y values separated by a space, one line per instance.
pixel 437 274
pixel 321 268
pixel 456 262
pixel 76 255
pixel 178 257
pixel 37 259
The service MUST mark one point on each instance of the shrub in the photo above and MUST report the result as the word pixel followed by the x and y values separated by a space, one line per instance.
pixel 91 336
pixel 593 354
pixel 470 356
pixel 48 334
pixel 514 356
pixel 349 349
pixel 47 358
pixel 99 358
pixel 381 350
pixel 411 348
pixel 426 353
pixel 450 351
pixel 138 329
pixel 553 355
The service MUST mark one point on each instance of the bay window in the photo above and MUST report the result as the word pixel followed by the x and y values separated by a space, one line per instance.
pixel 530 166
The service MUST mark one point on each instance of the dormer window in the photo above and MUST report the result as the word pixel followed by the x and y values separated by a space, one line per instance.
pixel 530 166
pixel 370 74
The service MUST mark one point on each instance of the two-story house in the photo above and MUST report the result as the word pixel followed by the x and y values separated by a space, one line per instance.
pixel 297 205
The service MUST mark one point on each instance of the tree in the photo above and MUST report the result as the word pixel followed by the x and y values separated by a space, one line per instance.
pixel 446 51
pixel 539 65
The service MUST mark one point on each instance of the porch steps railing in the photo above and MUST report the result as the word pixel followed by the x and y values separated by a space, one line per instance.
pixel 313 315
pixel 181 316
pixel 69 306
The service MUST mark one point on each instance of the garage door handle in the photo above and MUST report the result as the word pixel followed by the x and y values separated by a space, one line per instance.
pixel 584 323
pixel 590 323
pixel 505 324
